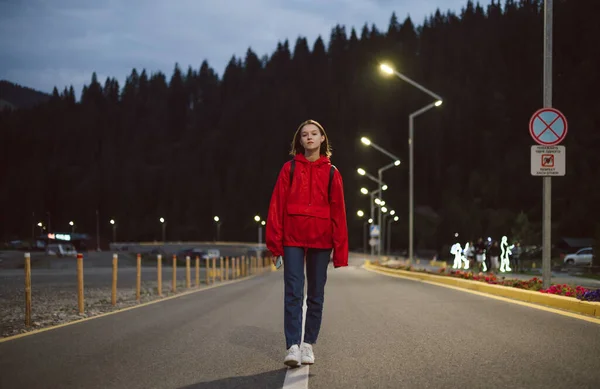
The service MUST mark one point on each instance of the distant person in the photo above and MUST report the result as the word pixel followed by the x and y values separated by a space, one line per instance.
pixel 494 254
pixel 480 249
pixel 516 254
pixel 307 218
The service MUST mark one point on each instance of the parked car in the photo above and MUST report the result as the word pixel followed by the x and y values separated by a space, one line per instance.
pixel 61 250
pixel 583 256
pixel 198 252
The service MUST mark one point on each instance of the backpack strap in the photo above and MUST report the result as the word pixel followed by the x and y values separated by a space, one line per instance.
pixel 331 172
pixel 292 171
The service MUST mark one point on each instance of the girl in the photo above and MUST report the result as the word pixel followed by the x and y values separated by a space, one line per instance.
pixel 307 218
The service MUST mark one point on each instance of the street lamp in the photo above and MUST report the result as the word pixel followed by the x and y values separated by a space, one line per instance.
pixel 363 172
pixel 257 220
pixel 218 221
pixel 365 191
pixel 438 102
pixel 164 228
pixel 389 231
pixel 72 227
pixel 114 230
pixel 367 142
pixel 361 214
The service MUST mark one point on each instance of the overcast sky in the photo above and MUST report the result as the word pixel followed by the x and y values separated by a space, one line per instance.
pixel 44 43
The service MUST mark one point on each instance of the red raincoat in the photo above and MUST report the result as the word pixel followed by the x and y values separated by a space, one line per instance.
pixel 302 216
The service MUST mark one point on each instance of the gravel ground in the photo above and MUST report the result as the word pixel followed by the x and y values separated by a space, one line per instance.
pixel 53 304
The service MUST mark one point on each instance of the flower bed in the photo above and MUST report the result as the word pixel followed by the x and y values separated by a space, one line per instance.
pixel 534 283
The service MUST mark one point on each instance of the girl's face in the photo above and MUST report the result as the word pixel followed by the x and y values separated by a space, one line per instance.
pixel 311 138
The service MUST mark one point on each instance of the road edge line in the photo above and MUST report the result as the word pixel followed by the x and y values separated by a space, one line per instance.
pixel 28 333
pixel 423 278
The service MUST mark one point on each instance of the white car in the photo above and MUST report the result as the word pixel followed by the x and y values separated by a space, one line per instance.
pixel 61 250
pixel 582 257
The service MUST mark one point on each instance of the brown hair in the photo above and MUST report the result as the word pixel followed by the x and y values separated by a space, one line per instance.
pixel 297 146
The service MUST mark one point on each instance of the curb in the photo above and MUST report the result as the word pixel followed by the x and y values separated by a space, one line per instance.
pixel 561 302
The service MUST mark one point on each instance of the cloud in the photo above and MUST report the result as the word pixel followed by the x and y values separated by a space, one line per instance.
pixel 61 42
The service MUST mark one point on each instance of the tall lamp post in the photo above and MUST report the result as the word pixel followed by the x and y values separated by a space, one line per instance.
pixel 389 230
pixel 114 226
pixel 367 142
pixel 218 221
pixel 361 214
pixel 164 228
pixel 385 223
pixel 372 194
pixel 381 184
pixel 257 220
pixel 72 224
pixel 438 102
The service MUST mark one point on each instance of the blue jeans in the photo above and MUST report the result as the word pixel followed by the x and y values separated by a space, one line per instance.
pixel 317 261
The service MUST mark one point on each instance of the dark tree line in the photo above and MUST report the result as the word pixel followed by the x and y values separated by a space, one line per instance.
pixel 193 145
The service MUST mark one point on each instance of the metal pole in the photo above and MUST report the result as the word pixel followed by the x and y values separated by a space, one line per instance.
pixel 373 216
pixel 389 237
pixel 378 148
pixel 365 237
pixel 379 173
pixel 259 251
pixel 419 86
pixel 97 231
pixel 547 210
pixel 114 233
pixel 410 187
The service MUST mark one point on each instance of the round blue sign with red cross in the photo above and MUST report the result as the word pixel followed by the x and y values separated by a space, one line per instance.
pixel 548 127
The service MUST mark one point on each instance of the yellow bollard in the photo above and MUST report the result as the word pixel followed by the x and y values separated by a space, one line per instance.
pixel 138 278
pixel 80 282
pixel 174 281
pixel 214 269
pixel 187 272
pixel 221 269
pixel 227 268
pixel 159 273
pixel 207 279
pixel 27 289
pixel 115 265
pixel 197 271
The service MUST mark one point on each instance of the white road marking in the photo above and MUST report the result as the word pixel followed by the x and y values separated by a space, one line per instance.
pixel 297 378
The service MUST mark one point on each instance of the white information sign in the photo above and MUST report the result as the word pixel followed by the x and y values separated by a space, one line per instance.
pixel 548 161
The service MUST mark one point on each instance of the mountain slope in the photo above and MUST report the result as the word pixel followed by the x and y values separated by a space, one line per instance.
pixel 16 96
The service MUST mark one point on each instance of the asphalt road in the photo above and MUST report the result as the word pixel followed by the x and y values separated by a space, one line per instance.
pixel 378 332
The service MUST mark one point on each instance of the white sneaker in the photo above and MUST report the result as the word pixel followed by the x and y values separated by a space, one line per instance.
pixel 308 357
pixel 293 357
